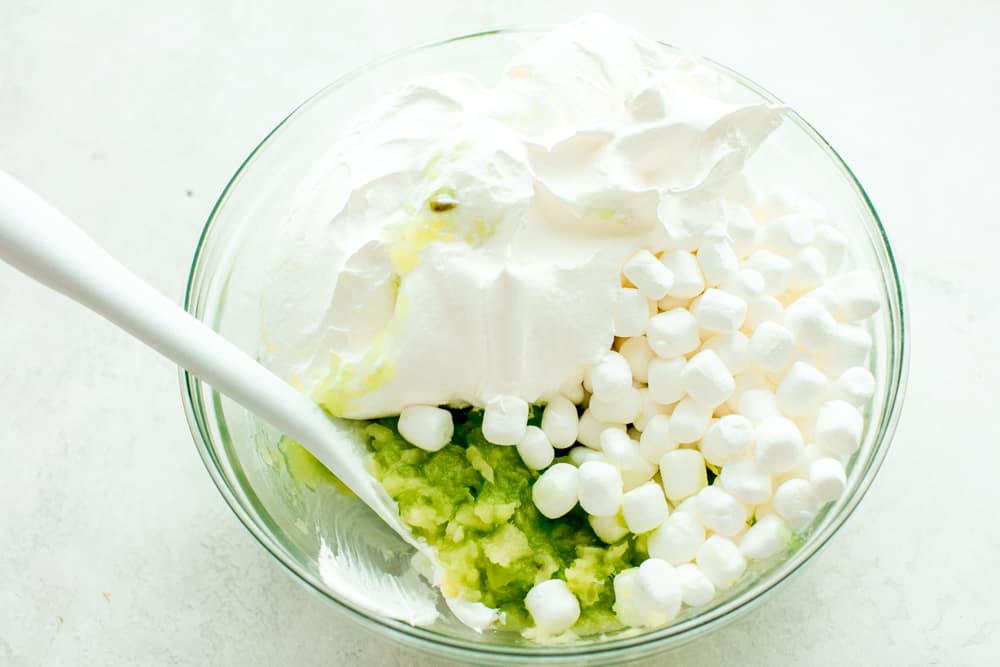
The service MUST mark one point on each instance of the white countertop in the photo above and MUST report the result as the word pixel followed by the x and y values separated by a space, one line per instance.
pixel 116 549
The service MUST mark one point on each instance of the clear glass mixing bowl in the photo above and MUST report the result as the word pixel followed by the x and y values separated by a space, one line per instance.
pixel 289 519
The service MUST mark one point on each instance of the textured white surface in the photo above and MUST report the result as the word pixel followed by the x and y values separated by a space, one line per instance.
pixel 130 116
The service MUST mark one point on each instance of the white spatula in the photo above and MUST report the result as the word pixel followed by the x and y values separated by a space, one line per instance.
pixel 43 243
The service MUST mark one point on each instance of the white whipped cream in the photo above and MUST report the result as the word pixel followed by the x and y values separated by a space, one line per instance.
pixel 595 143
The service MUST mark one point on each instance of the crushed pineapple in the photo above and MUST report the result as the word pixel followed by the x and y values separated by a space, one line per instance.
pixel 472 502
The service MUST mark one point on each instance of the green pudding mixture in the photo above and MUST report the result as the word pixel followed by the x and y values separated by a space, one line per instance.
pixel 472 502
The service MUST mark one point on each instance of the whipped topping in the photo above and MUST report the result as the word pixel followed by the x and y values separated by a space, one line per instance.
pixel 473 237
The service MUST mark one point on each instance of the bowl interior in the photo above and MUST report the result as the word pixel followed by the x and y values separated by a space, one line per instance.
pixel 292 519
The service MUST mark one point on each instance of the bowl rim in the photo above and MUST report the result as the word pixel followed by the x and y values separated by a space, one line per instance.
pixel 652 641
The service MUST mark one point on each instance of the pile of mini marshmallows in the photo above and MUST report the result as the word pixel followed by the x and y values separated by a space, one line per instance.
pixel 741 350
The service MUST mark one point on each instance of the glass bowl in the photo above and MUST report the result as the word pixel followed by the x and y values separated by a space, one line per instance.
pixel 290 518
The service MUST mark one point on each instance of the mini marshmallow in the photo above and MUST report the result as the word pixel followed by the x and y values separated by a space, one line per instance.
pixel 624 607
pixel 810 322
pixel 535 449
pixel 590 428
pixel 505 420
pixel 719 511
pixel 631 312
pixel 733 349
pixel 580 455
pixel 828 478
pixel 717 260
pixel 688 281
pixel 706 379
pixel 796 502
pixel 648 274
pixel 759 405
pixel 656 439
pixel 664 377
pixel 838 428
pixel 677 539
pixel 644 507
pixel 746 481
pixel 742 230
pixel 808 270
pixel 763 309
pixel 718 311
pixel 573 390
pixel 779 444
pixel 825 296
pixel 648 409
pixel 552 607
pixel 555 492
pixel 689 420
pixel 799 355
pixel 696 588
pixel 636 476
pixel 772 346
pixel 787 234
pixel 638 354
pixel 721 561
pixel 560 422
pixel 746 381
pixel 726 439
pixel 686 505
pixel 622 451
pixel 622 409
pixel 810 453
pixel 656 592
pixel 856 294
pixel 849 346
pixel 673 333
pixel 802 390
pixel 599 488
pixel 611 377
pixel 428 427
pixel 832 244
pixel 747 284
pixel 773 268
pixel 683 473
pixel 609 529
pixel 855 385
pixel 766 537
